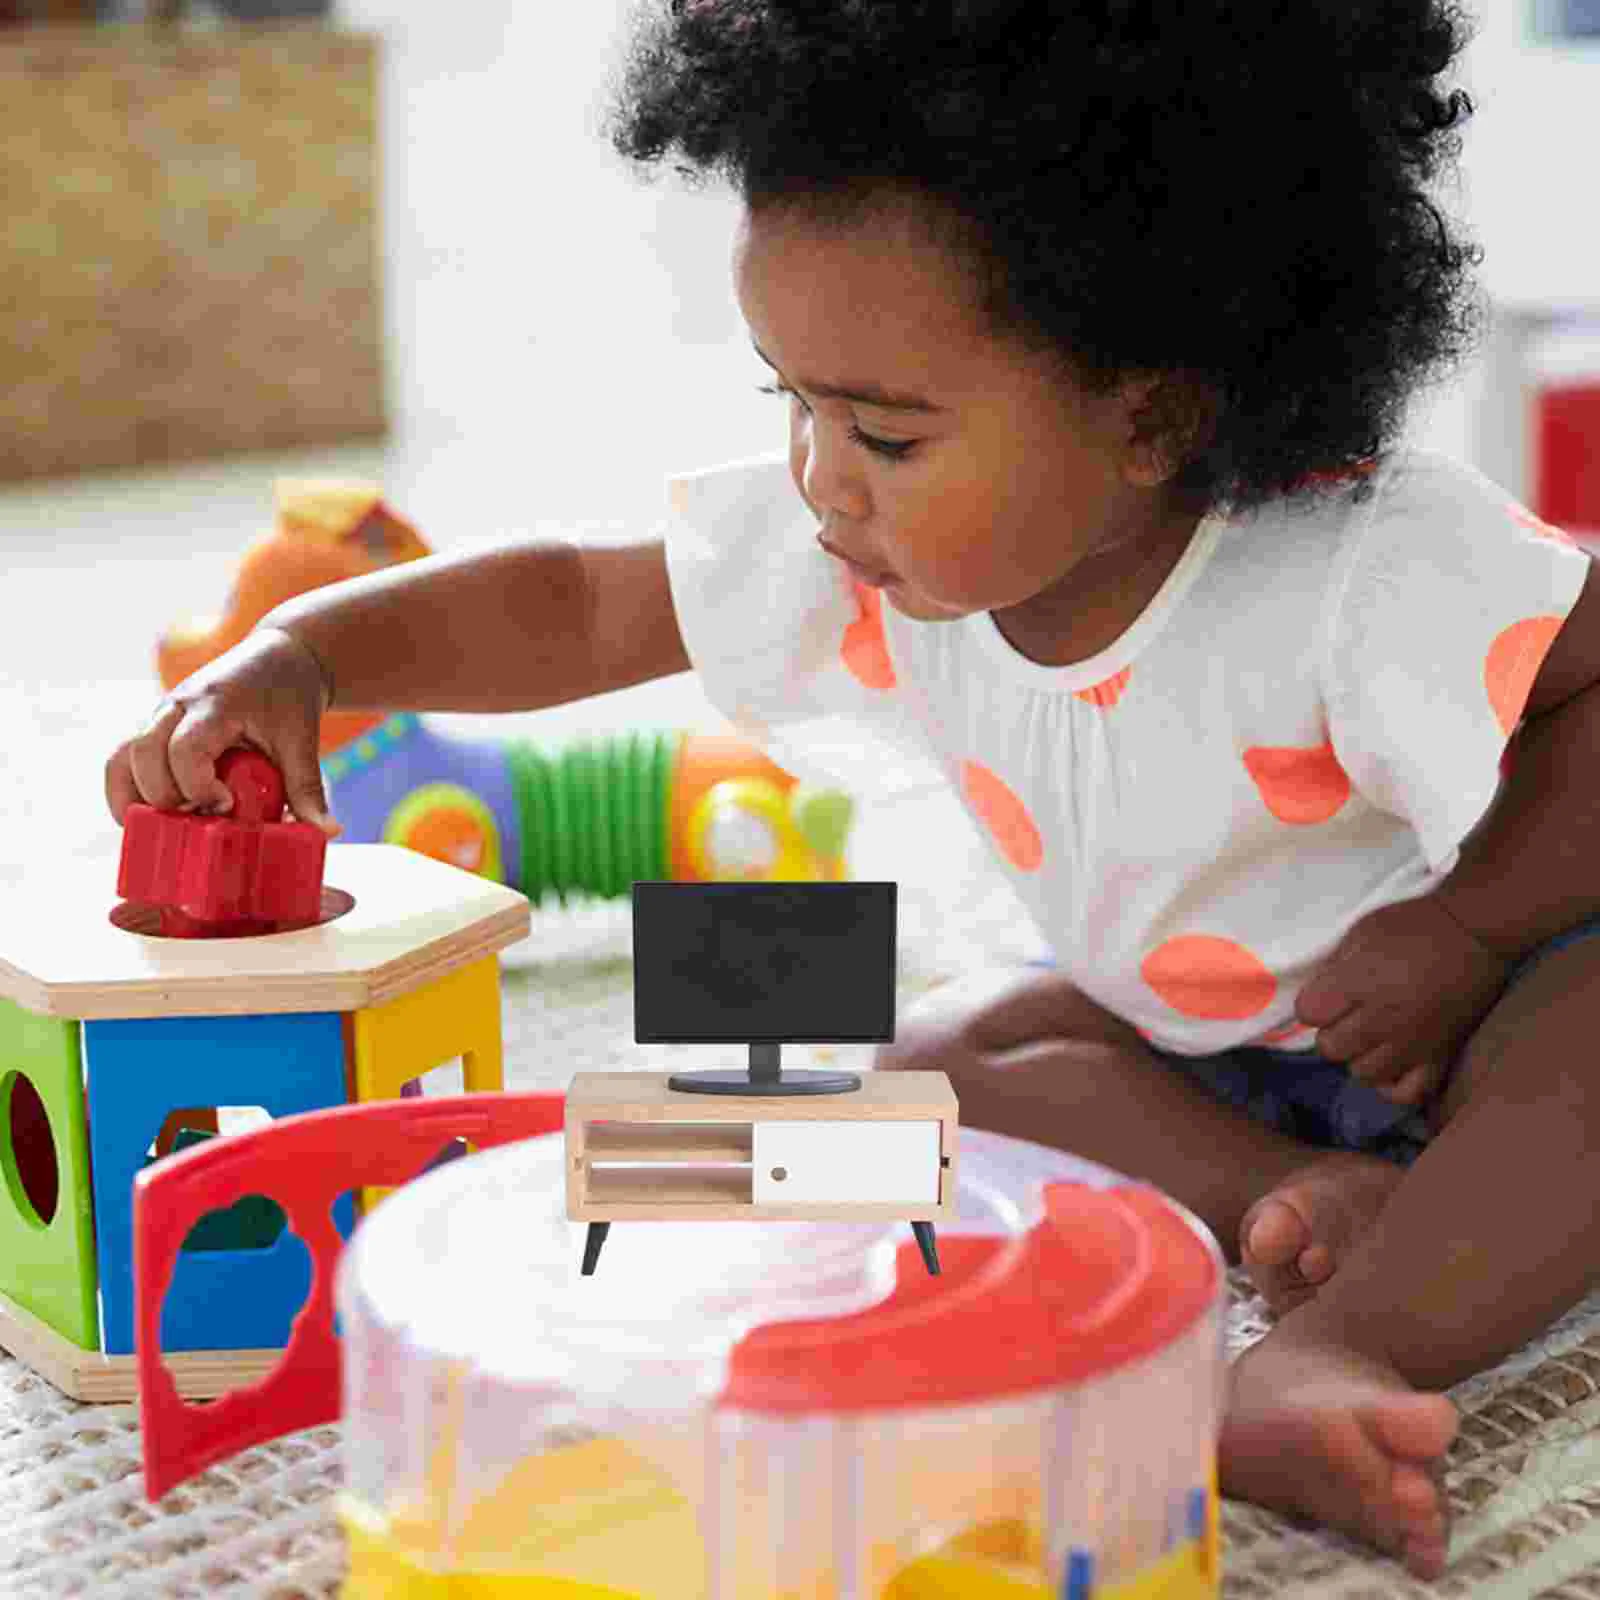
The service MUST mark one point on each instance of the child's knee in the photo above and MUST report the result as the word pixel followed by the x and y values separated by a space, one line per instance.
pixel 947 1023
pixel 974 994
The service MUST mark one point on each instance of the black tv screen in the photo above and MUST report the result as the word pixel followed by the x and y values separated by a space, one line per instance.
pixel 802 963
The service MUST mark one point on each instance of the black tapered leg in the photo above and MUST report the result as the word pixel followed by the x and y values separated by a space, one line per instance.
pixel 596 1237
pixel 925 1243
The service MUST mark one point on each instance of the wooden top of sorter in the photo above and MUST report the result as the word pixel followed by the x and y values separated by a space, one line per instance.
pixel 645 1097
pixel 414 919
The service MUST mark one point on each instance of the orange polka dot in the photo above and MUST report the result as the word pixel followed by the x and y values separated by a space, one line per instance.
pixel 865 651
pixel 1298 784
pixel 1544 529
pixel 1004 815
pixel 1108 691
pixel 1213 979
pixel 1513 663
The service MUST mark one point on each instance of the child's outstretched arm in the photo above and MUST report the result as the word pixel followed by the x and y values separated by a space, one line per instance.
pixel 524 625
pixel 514 628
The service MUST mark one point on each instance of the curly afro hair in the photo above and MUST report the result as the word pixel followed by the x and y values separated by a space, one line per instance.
pixel 1229 193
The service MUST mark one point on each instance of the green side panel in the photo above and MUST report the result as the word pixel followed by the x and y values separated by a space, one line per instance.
pixel 47 1266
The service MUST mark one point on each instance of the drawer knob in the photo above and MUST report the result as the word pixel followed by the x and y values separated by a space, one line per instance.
pixel 779 1174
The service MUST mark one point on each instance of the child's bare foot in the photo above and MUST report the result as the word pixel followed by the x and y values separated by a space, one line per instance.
pixel 1318 1430
pixel 1291 1239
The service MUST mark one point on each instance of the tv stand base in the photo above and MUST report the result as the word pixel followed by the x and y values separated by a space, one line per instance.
pixel 732 1081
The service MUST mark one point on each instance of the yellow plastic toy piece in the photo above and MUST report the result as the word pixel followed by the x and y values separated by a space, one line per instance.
pixel 597 1510
pixel 1177 1576
pixel 380 1570
pixel 741 829
pixel 456 1015
pixel 612 1525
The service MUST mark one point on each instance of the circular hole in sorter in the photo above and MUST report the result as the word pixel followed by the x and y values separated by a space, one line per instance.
pixel 28 1151
pixel 133 917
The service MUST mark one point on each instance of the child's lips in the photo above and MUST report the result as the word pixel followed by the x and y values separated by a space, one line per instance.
pixel 873 577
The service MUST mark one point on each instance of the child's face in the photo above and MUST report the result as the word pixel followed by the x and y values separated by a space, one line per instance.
pixel 984 501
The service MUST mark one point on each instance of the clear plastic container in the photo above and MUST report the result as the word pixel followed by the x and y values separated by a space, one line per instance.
pixel 749 1411
pixel 1045 1426
pixel 478 1361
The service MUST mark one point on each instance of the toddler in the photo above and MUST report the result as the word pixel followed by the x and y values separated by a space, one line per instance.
pixel 1096 322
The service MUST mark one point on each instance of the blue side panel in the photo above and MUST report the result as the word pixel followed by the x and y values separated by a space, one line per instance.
pixel 368 779
pixel 137 1072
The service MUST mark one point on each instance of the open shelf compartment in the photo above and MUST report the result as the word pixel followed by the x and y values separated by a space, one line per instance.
pixel 671 1186
pixel 707 1143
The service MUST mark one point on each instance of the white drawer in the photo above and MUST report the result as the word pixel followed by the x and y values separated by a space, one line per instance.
pixel 806 1163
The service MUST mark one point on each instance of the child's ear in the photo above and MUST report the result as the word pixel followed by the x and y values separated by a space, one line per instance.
pixel 1172 417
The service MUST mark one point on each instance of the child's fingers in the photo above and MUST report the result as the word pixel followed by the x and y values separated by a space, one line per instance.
pixel 121 789
pixel 152 773
pixel 1413 1086
pixel 1376 1065
pixel 302 781
pixel 199 738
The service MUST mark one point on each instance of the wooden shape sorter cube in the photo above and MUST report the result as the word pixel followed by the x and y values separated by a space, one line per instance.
pixel 107 1029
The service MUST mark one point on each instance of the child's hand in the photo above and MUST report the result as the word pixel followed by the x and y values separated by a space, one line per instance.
pixel 268 692
pixel 1400 996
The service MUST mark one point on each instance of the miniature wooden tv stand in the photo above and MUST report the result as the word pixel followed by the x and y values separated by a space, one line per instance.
pixel 640 1150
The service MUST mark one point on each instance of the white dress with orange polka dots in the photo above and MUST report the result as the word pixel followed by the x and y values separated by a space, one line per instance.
pixel 1303 725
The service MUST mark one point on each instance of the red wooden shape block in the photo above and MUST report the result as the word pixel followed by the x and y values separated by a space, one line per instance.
pixel 304 1163
pixel 217 870
pixel 152 856
pixel 222 877
pixel 255 784
pixel 176 924
pixel 233 870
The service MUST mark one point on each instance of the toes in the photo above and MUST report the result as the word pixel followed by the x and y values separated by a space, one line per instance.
pixel 1413 1427
pixel 1414 1492
pixel 1273 1233
pixel 1315 1263
pixel 1426 1558
pixel 1274 1245
pixel 1292 1239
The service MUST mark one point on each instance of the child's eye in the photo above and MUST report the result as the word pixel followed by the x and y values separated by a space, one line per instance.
pixel 888 449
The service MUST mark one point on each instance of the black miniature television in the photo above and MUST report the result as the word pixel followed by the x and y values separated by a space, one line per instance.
pixel 763 964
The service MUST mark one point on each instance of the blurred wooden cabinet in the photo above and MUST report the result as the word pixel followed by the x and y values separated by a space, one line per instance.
pixel 190 264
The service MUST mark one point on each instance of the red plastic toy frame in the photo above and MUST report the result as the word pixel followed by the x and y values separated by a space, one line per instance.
pixel 307 1162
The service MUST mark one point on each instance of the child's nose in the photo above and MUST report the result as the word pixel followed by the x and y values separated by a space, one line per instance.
pixel 829 480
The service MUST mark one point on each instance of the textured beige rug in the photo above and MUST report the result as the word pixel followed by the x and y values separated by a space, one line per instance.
pixel 86 580
pixel 1524 1478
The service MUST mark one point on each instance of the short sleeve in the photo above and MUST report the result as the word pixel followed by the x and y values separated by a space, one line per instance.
pixel 1444 603
pixel 786 647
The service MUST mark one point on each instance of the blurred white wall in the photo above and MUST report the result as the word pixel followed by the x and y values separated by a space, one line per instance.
pixel 564 325
pixel 1525 190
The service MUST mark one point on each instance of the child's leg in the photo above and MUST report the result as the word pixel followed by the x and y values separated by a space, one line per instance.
pixel 1032 1057
pixel 1451 1278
